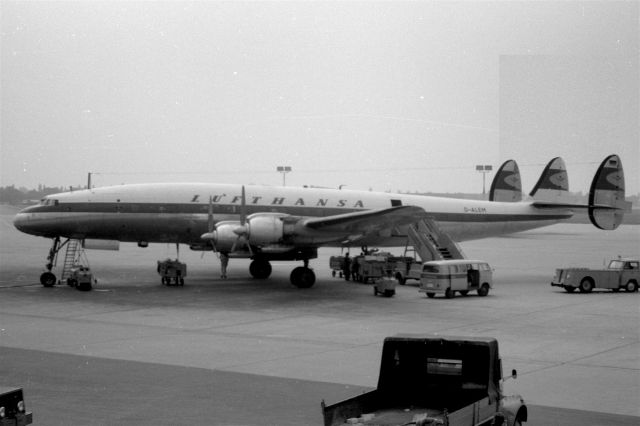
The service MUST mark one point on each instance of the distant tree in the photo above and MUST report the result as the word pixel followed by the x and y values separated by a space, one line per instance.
pixel 11 195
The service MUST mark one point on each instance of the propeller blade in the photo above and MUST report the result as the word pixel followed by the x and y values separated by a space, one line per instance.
pixel 211 225
pixel 243 208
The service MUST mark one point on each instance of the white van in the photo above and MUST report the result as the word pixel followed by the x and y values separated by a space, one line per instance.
pixel 461 275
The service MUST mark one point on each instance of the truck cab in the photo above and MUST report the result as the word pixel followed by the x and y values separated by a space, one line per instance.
pixel 13 411
pixel 433 380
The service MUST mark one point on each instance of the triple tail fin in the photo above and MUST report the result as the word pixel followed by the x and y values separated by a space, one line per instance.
pixel 506 185
pixel 553 183
pixel 606 204
pixel 606 196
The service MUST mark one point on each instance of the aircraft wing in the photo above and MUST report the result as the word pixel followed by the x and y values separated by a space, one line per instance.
pixel 366 221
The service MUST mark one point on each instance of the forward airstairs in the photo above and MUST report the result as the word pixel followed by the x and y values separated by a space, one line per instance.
pixel 74 256
pixel 431 243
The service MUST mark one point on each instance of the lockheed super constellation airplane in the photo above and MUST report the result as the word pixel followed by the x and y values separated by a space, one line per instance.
pixel 267 223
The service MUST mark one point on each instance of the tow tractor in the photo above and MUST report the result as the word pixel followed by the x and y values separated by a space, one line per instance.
pixel 81 278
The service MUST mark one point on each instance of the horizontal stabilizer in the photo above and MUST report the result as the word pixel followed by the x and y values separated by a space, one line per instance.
pixel 606 197
pixel 506 185
pixel 553 183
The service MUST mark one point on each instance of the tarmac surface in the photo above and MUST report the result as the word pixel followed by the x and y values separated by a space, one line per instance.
pixel 248 352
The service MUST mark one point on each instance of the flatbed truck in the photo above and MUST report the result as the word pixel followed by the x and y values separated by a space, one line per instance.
pixel 621 274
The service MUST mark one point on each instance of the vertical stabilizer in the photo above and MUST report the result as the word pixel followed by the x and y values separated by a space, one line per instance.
pixel 506 185
pixel 606 197
pixel 553 183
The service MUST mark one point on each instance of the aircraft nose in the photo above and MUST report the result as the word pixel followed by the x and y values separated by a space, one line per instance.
pixel 21 222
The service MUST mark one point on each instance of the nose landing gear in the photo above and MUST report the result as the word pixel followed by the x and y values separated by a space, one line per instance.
pixel 48 278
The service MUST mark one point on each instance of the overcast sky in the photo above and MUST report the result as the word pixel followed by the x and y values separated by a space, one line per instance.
pixel 381 95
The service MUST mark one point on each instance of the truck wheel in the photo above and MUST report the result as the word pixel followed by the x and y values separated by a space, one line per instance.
pixel 464 292
pixel 83 286
pixel 586 285
pixel 569 289
pixel 448 293
pixel 333 274
pixel 631 287
pixel 483 290
pixel 431 295
pixel 389 293
pixel 401 280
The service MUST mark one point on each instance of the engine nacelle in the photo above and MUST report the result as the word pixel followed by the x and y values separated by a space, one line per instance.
pixel 260 229
pixel 265 228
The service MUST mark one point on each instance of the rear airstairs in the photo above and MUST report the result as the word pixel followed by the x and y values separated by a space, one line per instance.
pixel 431 243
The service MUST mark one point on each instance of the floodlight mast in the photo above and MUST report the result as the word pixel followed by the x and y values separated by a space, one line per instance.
pixel 284 170
pixel 484 169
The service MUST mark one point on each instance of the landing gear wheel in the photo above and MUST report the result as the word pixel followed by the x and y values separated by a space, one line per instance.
pixel 48 279
pixel 260 269
pixel 302 277
pixel 631 287
pixel 569 289
pixel 483 290
pixel 586 285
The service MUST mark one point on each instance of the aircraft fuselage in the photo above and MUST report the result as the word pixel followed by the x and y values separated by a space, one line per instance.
pixel 178 212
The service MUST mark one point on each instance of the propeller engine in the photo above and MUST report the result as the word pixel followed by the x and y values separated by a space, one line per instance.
pixel 256 230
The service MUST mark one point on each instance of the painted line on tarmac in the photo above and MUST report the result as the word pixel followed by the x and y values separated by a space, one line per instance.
pixel 13 285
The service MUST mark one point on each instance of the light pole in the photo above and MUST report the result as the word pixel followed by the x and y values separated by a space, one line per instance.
pixel 284 170
pixel 484 169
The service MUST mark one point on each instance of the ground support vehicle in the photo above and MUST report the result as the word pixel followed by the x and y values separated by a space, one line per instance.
pixel 172 272
pixel 620 274
pixel 385 286
pixel 456 275
pixel 407 268
pixel 433 380
pixel 336 263
pixel 13 411
pixel 371 267
pixel 81 278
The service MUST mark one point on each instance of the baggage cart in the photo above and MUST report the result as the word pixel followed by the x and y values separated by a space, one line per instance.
pixel 336 263
pixel 172 272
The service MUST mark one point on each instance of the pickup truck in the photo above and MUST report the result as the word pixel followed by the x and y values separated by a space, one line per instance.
pixel 620 274
pixel 12 408
pixel 433 380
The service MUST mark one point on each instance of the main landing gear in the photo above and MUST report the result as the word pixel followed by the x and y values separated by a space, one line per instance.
pixel 301 277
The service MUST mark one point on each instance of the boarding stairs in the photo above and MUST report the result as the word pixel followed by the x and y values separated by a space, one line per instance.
pixel 431 243
pixel 72 258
